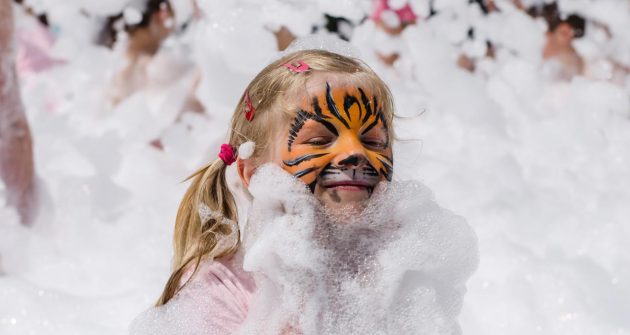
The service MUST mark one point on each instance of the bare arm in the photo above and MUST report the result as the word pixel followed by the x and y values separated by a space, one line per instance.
pixel 16 152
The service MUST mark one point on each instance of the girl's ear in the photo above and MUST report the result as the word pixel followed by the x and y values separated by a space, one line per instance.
pixel 245 168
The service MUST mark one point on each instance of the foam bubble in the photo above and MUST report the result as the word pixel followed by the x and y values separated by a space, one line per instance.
pixel 246 149
pixel 132 15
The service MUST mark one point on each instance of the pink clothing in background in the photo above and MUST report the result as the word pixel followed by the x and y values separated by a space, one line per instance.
pixel 405 14
pixel 33 56
pixel 33 51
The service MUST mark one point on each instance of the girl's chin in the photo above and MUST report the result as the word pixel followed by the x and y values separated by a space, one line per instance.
pixel 351 197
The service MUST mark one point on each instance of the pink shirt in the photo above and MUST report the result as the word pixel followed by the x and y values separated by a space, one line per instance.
pixel 214 302
pixel 230 289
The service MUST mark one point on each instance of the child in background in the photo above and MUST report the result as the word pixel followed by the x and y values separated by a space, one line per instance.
pixel 145 37
pixel 563 62
pixel 391 22
pixel 326 121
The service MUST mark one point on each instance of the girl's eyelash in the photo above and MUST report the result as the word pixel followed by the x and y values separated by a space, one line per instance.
pixel 374 143
pixel 318 141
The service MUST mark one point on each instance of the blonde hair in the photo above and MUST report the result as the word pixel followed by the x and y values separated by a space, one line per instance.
pixel 195 240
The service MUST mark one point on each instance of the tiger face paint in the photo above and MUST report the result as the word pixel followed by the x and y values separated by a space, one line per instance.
pixel 338 143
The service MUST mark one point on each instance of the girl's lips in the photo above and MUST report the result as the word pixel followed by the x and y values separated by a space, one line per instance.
pixel 351 188
pixel 349 185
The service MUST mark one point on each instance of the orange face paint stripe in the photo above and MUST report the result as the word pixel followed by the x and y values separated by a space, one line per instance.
pixel 348 102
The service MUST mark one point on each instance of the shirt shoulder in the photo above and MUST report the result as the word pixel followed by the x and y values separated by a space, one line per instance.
pixel 214 301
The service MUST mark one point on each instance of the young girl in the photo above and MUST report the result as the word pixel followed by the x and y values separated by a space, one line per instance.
pixel 311 140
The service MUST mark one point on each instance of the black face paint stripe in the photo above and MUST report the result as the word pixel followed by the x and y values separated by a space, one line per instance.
pixel 348 101
pixel 297 124
pixel 382 117
pixel 387 172
pixel 318 109
pixel 370 126
pixel 304 172
pixel 327 124
pixel 303 159
pixel 387 175
pixel 333 108
pixel 389 160
pixel 328 170
pixel 370 170
pixel 380 159
pixel 374 106
pixel 366 103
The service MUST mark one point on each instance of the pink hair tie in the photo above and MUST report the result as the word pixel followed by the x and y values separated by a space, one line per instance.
pixel 249 109
pixel 227 154
pixel 299 68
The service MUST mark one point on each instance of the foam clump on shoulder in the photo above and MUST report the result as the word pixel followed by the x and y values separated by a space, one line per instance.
pixel 399 265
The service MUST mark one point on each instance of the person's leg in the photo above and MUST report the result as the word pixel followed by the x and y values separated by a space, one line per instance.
pixel 16 151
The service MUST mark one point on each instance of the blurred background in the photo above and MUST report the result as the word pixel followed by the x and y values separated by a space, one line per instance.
pixel 516 113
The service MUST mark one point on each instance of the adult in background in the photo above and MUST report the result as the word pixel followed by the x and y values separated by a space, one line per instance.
pixel 16 145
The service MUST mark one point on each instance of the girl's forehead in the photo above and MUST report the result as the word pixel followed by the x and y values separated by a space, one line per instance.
pixel 317 86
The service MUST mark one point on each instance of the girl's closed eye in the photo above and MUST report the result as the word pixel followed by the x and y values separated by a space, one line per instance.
pixel 319 141
pixel 314 134
pixel 376 138
pixel 374 143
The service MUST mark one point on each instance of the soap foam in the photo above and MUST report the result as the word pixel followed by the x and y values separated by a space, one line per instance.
pixel 397 266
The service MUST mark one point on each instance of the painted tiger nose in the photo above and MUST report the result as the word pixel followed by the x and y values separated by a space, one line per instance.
pixel 352 153
pixel 352 160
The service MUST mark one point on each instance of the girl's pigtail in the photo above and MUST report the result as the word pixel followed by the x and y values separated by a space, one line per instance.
pixel 194 239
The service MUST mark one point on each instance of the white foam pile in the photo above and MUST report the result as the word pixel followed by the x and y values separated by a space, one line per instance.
pixel 538 168
pixel 397 266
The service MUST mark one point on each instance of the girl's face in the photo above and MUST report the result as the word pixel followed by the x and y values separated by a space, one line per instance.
pixel 338 143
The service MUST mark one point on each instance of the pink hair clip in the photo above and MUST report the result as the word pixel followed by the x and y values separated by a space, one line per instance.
pixel 299 68
pixel 249 109
pixel 227 154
